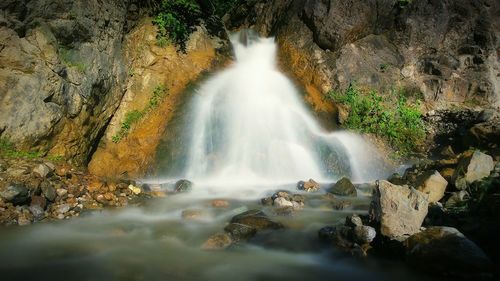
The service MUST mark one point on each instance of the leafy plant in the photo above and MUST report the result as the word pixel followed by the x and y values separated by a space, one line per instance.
pixel 401 125
pixel 176 20
pixel 135 116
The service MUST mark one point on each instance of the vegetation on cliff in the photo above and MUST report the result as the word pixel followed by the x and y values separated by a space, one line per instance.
pixel 390 116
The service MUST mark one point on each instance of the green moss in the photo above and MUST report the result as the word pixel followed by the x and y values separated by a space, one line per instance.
pixel 70 59
pixel 134 116
pixel 7 150
pixel 389 116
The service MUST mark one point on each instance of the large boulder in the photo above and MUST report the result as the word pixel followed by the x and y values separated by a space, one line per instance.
pixel 399 210
pixel 432 184
pixel 472 168
pixel 444 250
pixel 343 187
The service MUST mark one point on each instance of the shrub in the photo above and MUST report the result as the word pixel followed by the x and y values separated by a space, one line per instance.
pixel 176 20
pixel 401 125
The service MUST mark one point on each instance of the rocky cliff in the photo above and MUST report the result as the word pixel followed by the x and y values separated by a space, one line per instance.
pixel 61 72
pixel 447 50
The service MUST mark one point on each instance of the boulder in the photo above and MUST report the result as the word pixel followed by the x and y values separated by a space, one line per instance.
pixel 217 241
pixel 15 194
pixel 432 184
pixel 183 185
pixel 192 214
pixel 457 199
pixel 472 168
pixel 353 221
pixel 240 231
pixel 340 235
pixel 343 187
pixel 257 219
pixel 399 209
pixel 446 251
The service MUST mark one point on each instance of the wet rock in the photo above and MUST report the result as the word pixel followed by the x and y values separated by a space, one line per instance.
pixel 240 231
pixel 336 203
pixel 343 187
pixel 281 194
pixel 220 203
pixel 399 209
pixel 183 185
pixel 217 241
pixel 432 184
pixel 446 251
pixel 353 221
pixel 363 234
pixel 15 194
pixel 340 235
pixel 192 214
pixel 282 202
pixel 310 186
pixel 257 219
pixel 473 168
pixel 43 170
pixel 298 198
pixel 48 191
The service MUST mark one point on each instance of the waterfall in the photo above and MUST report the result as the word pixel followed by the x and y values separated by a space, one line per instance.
pixel 248 124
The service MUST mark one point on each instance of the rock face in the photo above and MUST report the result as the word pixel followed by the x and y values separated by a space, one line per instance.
pixel 61 73
pixel 432 184
pixel 399 209
pixel 445 49
pixel 447 251
pixel 150 67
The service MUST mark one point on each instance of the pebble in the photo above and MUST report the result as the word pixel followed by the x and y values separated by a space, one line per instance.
pixel 61 192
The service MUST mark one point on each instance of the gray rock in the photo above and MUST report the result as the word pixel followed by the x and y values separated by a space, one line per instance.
pixel 63 208
pixel 343 187
pixel 37 212
pixel 48 191
pixel 446 251
pixel 16 172
pixel 15 194
pixel 364 234
pixel 432 184
pixel 183 185
pixel 42 170
pixel 399 209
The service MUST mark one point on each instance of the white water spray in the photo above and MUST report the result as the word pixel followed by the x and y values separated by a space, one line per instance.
pixel 250 126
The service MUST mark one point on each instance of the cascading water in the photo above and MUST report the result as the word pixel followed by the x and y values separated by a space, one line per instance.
pixel 250 126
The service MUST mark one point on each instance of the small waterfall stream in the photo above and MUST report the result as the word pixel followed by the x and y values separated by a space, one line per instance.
pixel 248 125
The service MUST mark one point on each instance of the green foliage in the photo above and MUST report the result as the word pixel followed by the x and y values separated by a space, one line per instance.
pixel 176 20
pixel 69 59
pixel 135 116
pixel 391 117
pixel 7 150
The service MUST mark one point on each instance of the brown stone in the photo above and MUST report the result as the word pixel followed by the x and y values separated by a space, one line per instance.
pixel 217 241
pixel 220 203
pixel 432 184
